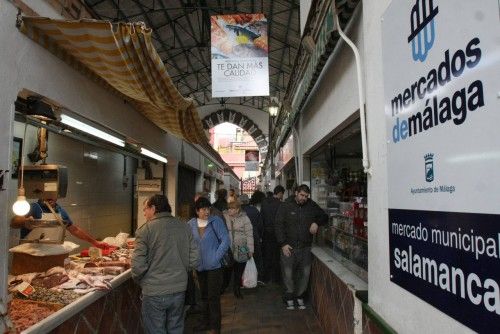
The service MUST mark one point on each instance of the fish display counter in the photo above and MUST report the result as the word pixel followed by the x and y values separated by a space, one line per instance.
pixel 100 311
pixel 84 295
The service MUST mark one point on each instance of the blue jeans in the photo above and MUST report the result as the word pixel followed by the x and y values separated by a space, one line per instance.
pixel 163 314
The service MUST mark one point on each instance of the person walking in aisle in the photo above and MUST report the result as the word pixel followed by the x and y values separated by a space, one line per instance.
pixel 232 196
pixel 241 234
pixel 164 252
pixel 257 198
pixel 212 237
pixel 221 201
pixel 257 227
pixel 192 290
pixel 270 248
pixel 297 220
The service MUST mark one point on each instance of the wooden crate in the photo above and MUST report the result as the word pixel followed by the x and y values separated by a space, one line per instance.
pixel 24 263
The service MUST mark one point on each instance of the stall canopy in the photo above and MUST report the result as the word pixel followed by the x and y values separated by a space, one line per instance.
pixel 121 57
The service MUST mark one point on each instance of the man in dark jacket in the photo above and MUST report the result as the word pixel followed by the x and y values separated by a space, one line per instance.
pixel 297 221
pixel 164 252
pixel 221 201
pixel 256 220
pixel 270 247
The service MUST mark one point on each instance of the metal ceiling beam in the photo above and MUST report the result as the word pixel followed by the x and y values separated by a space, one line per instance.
pixel 269 34
pixel 202 60
pixel 279 69
pixel 285 27
pixel 191 34
pixel 286 41
pixel 278 40
pixel 193 69
pixel 97 3
pixel 285 10
pixel 175 77
pixel 174 20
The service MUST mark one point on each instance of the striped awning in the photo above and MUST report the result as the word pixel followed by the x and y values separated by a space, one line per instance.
pixel 123 59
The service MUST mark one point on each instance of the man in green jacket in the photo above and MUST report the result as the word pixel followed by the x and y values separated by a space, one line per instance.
pixel 164 252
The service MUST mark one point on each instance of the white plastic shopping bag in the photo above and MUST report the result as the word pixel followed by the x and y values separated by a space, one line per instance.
pixel 250 275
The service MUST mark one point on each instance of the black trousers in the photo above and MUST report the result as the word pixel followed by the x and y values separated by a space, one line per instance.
pixel 238 269
pixel 190 298
pixel 257 256
pixel 210 286
pixel 271 257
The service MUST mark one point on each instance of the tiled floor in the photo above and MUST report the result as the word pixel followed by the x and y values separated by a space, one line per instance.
pixel 261 311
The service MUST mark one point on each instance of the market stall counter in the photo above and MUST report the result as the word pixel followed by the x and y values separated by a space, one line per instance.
pixel 115 310
pixel 83 294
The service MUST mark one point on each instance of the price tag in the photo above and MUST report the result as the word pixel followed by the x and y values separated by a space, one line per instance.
pixel 25 289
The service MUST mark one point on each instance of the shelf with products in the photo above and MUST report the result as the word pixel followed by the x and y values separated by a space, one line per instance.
pixel 339 187
pixel 347 232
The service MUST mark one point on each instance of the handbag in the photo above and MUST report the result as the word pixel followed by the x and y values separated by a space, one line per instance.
pixel 250 273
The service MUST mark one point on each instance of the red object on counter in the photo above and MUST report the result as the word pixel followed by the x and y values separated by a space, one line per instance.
pixel 358 219
pixel 105 251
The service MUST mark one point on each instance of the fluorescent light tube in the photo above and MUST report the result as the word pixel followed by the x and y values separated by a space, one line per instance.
pixel 91 130
pixel 153 155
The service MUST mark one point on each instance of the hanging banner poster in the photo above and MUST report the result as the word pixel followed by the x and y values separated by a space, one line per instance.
pixel 239 55
pixel 441 79
pixel 251 160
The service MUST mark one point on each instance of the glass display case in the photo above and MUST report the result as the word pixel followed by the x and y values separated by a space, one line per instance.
pixel 338 186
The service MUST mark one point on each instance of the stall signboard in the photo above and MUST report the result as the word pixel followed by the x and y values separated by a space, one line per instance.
pixel 441 65
pixel 251 160
pixel 239 55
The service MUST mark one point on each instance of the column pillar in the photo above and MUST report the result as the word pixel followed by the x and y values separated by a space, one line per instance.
pixel 172 173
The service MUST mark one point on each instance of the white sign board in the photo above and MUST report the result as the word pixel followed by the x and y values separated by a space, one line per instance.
pixel 441 75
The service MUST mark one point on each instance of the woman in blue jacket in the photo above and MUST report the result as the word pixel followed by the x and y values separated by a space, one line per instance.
pixel 212 237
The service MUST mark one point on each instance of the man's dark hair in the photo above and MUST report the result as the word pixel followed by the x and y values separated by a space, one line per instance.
pixel 160 202
pixel 202 202
pixel 257 197
pixel 304 188
pixel 279 189
pixel 221 194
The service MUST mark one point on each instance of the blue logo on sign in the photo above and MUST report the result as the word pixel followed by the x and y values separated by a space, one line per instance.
pixel 429 167
pixel 422 28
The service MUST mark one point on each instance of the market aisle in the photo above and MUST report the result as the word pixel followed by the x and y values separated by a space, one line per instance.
pixel 261 311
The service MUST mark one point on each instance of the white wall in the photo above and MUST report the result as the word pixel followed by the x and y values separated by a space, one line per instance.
pixel 336 98
pixel 402 310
